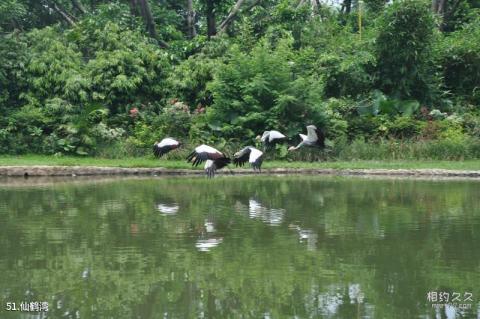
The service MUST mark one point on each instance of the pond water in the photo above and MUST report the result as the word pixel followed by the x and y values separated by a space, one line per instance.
pixel 241 247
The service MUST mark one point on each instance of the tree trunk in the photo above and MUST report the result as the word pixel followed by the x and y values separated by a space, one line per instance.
pixel 347 5
pixel 191 20
pixel 133 8
pixel 441 7
pixel 211 23
pixel 78 5
pixel 148 18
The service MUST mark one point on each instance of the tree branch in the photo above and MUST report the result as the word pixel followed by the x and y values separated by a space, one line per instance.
pixel 67 17
pixel 300 3
pixel 233 14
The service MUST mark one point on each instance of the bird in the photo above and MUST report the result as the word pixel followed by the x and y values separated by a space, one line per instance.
pixel 213 158
pixel 270 138
pixel 164 146
pixel 249 154
pixel 314 138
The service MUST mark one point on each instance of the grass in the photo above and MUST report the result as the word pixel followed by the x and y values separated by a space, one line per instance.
pixel 31 160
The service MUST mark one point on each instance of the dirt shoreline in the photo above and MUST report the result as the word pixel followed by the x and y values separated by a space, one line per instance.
pixel 27 171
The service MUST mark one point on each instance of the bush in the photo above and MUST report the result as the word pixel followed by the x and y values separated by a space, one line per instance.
pixel 404 127
pixel 55 69
pixel 126 69
pixel 258 91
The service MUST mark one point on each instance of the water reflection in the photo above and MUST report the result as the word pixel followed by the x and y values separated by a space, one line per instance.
pixel 168 209
pixel 256 210
pixel 340 248
pixel 208 244
pixel 209 226
pixel 308 236
pixel 208 240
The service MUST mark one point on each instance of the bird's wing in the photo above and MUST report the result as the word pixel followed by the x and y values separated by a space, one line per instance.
pixel 242 157
pixel 207 149
pixel 265 135
pixel 255 154
pixel 158 151
pixel 275 135
pixel 222 162
pixel 303 136
pixel 312 133
pixel 165 146
pixel 321 138
pixel 168 141
pixel 203 153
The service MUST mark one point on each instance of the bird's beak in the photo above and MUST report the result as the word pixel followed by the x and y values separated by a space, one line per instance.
pixel 258 137
pixel 236 154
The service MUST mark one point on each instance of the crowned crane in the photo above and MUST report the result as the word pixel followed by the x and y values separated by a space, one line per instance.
pixel 270 138
pixel 213 158
pixel 249 154
pixel 164 146
pixel 314 138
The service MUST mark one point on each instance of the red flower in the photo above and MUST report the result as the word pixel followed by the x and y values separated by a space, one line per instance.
pixel 134 112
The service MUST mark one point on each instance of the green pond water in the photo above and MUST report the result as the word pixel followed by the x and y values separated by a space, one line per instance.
pixel 240 247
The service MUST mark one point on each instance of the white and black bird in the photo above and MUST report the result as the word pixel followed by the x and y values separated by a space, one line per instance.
pixel 270 138
pixel 164 146
pixel 213 158
pixel 249 154
pixel 314 138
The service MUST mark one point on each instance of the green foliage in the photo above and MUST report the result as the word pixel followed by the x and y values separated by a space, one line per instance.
pixel 55 69
pixel 188 80
pixel 92 80
pixel 460 60
pixel 11 11
pixel 12 67
pixel 378 103
pixel 403 49
pixel 260 90
pixel 125 66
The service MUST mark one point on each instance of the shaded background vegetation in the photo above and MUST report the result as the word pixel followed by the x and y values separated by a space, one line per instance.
pixel 109 78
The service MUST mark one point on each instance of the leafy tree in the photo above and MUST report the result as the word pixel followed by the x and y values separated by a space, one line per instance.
pixel 126 68
pixel 460 60
pixel 406 34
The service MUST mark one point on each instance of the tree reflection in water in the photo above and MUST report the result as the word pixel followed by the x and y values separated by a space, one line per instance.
pixel 240 247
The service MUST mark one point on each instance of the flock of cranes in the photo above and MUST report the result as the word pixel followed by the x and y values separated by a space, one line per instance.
pixel 215 160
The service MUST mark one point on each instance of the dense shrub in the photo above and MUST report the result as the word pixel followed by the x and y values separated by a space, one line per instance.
pixel 257 91
pixel 125 69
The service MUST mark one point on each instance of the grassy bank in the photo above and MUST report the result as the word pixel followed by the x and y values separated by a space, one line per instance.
pixel 151 162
